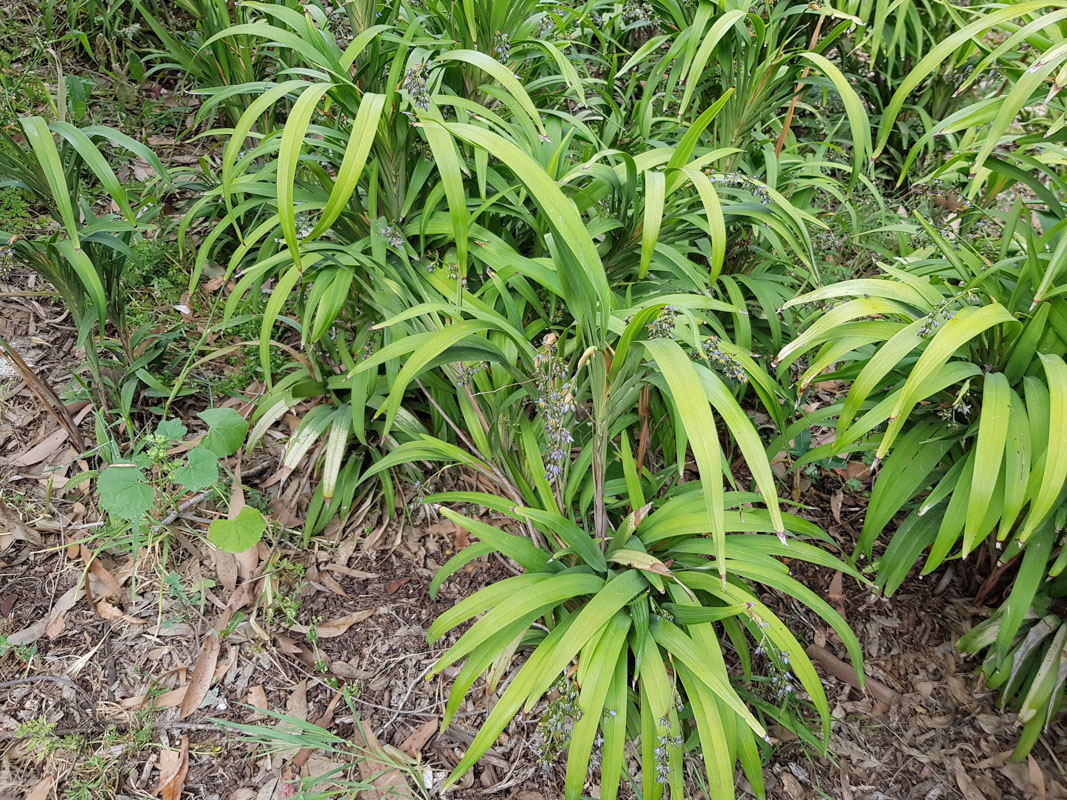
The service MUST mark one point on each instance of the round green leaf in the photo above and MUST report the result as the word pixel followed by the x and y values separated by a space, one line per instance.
pixel 226 431
pixel 240 533
pixel 125 492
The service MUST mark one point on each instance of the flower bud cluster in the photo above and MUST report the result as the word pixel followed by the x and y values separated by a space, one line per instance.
pixel 938 317
pixel 782 684
pixel 420 489
pixel 957 407
pixel 393 237
pixel 556 404
pixel 415 86
pixel 739 181
pixel 303 228
pixel 502 46
pixel 664 742
pixel 983 228
pixel 7 259
pixel 638 11
pixel 727 364
pixel 662 327
pixel 469 370
pixel 557 723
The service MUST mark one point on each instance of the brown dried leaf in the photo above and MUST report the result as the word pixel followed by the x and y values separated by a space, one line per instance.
pixel 42 789
pixel 41 451
pixel 173 768
pixel 13 528
pixel 1037 779
pixel 112 613
pixel 324 722
pixel 257 697
pixel 112 589
pixel 203 672
pixel 836 593
pixel 395 585
pixel 53 624
pixel 331 583
pixel 297 706
pixel 967 786
pixel 175 697
pixel 226 569
pixel 339 626
pixel 792 787
pixel 835 505
pixel 418 739
pixel 351 573
pixel 388 781
pixel 857 470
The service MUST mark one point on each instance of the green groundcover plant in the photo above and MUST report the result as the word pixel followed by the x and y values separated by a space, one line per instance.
pixel 565 274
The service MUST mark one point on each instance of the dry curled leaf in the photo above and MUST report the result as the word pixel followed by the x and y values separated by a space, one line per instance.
pixel 203 672
pixel 418 739
pixel 337 627
pixel 173 769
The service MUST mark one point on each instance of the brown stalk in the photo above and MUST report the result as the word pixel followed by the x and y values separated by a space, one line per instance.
pixel 44 393
pixel 793 104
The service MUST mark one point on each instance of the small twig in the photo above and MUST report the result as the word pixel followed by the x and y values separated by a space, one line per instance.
pixel 90 703
pixel 123 725
pixel 44 393
pixel 844 673
pixel 192 502
pixel 404 699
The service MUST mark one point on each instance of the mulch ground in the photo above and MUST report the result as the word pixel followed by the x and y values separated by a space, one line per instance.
pixel 112 666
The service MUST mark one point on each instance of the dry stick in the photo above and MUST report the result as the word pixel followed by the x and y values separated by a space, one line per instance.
pixel 44 393
pixel 501 479
pixel 200 498
pixel 793 105
pixel 404 699
pixel 844 673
